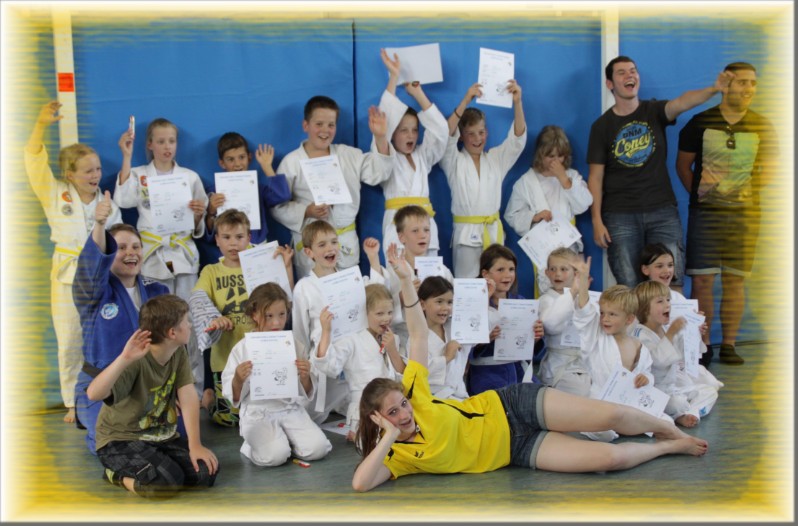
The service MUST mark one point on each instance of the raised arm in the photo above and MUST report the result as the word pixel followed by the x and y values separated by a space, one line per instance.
pixel 126 146
pixel 454 119
pixel 101 213
pixel 415 91
pixel 393 70
pixel 414 317
pixel 137 346
pixel 519 124
pixel 47 116
pixel 691 99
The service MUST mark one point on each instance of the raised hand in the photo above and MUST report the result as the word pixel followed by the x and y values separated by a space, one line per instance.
pixel 137 346
pixel 126 144
pixel 378 122
pixel 103 209
pixel 265 156
pixel 47 115
pixel 371 247
pixel 397 261
pixel 392 66
pixel 515 89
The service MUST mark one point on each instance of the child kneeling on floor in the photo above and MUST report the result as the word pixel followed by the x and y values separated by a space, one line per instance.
pixel 272 429
pixel 137 438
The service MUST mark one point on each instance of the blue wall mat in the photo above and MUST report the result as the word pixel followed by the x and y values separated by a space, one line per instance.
pixel 209 77
pixel 555 65
pixel 676 54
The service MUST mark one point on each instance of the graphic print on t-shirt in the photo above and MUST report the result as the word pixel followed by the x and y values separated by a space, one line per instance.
pixel 234 297
pixel 160 421
pixel 634 144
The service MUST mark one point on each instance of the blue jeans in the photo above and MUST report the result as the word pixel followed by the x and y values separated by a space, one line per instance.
pixel 631 231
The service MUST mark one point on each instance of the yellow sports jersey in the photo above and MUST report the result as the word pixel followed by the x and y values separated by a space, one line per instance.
pixel 471 436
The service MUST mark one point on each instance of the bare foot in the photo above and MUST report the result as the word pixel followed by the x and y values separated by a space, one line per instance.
pixel 69 418
pixel 207 399
pixel 687 420
pixel 350 436
pixel 672 433
pixel 690 446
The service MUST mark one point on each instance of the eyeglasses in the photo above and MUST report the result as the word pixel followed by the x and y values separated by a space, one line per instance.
pixel 731 144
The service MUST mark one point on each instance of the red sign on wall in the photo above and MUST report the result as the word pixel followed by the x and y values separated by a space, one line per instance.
pixel 66 82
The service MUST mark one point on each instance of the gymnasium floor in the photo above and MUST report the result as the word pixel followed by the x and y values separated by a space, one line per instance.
pixel 745 476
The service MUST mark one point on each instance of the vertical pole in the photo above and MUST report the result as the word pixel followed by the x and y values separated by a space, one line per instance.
pixel 65 75
pixel 610 48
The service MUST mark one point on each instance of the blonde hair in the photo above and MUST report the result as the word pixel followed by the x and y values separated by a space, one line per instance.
pixel 622 296
pixel 160 122
pixel 376 292
pixel 645 292
pixel 69 156
pixel 562 253
pixel 315 229
pixel 405 213
pixel 231 218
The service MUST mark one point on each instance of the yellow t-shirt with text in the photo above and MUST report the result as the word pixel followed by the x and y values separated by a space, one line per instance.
pixel 469 436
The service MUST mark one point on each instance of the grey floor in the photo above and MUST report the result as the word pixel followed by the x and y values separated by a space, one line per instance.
pixel 741 477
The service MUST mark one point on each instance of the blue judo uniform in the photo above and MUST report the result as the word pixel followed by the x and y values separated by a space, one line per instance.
pixel 274 192
pixel 108 317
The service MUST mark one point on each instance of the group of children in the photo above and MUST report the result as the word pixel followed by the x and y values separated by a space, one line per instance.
pixel 154 328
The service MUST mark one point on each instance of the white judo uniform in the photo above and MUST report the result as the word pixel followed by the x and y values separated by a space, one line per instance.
pixel 689 396
pixel 273 430
pixel 602 356
pixel 447 380
pixel 562 367
pixel 305 314
pixel 476 198
pixel 358 356
pixel 177 249
pixel 371 168
pixel 533 193
pixel 408 185
pixel 71 221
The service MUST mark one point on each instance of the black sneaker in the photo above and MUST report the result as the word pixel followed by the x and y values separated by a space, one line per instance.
pixel 706 358
pixel 727 355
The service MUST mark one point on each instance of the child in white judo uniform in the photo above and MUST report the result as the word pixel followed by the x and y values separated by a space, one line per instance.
pixel 362 356
pixel 447 357
pixel 475 178
pixel 691 398
pixel 550 189
pixel 656 264
pixel 408 184
pixel 172 260
pixel 69 204
pixel 604 339
pixel 321 117
pixel 275 429
pixel 562 367
pixel 321 246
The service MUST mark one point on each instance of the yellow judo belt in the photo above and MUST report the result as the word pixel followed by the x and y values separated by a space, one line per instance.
pixel 175 240
pixel 72 255
pixel 484 221
pixel 396 203
pixel 338 231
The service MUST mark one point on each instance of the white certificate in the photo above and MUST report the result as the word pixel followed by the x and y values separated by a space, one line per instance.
pixel 345 293
pixel 496 69
pixel 470 311
pixel 240 191
pixel 169 197
pixel 620 388
pixel 427 266
pixel 326 180
pixel 259 266
pixel 545 237
pixel 274 372
pixel 517 338
pixel 418 63
pixel 691 333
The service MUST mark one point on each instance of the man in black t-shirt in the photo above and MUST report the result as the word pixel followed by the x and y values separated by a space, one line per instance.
pixel 723 155
pixel 633 201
